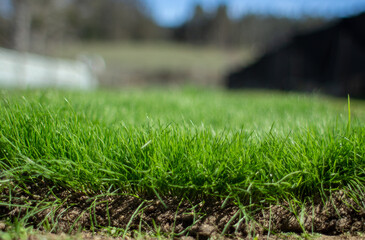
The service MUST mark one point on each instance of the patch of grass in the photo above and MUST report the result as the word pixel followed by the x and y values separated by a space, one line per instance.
pixel 254 147
pixel 175 142
pixel 16 230
pixel 134 63
pixel 131 56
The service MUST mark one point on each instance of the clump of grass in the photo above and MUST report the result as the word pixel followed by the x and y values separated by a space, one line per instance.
pixel 184 143
pixel 16 230
pixel 255 147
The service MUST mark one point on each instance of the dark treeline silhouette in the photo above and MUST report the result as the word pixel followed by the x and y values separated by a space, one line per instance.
pixel 34 24
pixel 329 60
pixel 250 30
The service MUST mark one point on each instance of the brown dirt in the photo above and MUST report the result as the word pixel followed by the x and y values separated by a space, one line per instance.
pixel 92 236
pixel 181 218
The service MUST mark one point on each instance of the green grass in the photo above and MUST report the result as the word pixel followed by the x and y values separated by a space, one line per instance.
pixel 252 146
pixel 131 63
pixel 150 56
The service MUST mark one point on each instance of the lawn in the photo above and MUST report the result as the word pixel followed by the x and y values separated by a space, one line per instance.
pixel 244 153
pixel 146 63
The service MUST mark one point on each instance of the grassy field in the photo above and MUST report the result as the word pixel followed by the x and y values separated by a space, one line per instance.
pixel 253 149
pixel 145 63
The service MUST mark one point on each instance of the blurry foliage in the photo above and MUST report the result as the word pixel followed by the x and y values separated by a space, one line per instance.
pixel 53 21
pixel 251 30
pixel 5 32
pixel 112 20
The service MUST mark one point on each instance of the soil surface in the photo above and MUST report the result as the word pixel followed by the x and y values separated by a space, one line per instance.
pixel 92 236
pixel 69 212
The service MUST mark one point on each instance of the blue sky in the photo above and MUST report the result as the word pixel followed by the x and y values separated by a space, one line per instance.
pixel 175 12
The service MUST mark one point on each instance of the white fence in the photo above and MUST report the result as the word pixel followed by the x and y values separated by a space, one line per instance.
pixel 30 70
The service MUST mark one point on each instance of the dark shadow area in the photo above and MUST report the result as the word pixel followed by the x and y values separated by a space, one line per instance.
pixel 330 60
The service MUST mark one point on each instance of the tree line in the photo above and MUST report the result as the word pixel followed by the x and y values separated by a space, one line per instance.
pixel 251 30
pixel 35 24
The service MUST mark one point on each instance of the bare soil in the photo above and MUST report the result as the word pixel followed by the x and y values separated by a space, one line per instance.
pixel 340 217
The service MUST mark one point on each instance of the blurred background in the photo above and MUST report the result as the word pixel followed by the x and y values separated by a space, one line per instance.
pixel 164 42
